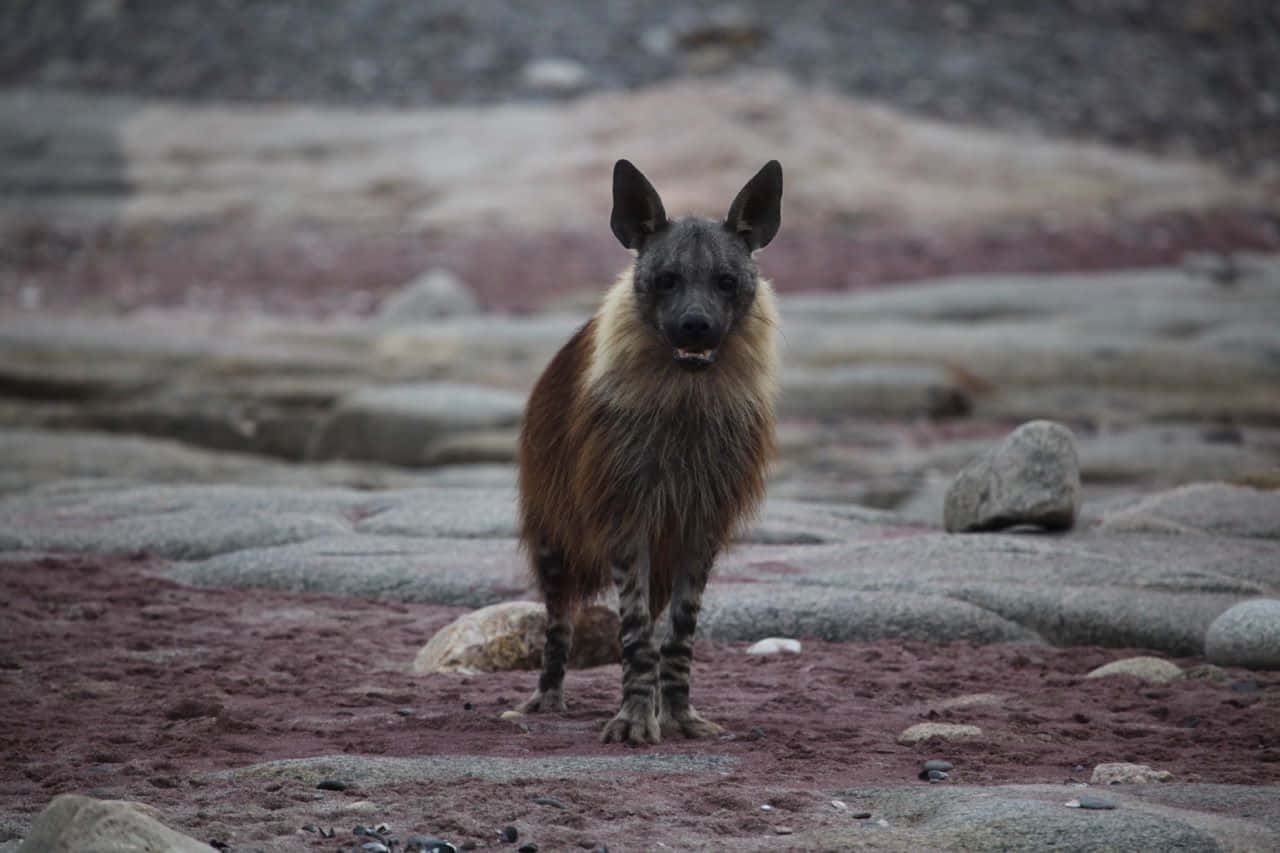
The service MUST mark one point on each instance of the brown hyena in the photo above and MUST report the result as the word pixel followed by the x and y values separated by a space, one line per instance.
pixel 646 442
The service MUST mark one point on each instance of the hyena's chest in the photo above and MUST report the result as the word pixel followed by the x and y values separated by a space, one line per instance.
pixel 698 470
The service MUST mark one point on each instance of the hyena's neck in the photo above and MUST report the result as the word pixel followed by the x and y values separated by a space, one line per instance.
pixel 631 366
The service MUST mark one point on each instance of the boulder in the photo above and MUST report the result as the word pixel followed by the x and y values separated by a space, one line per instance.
pixel 1247 634
pixel 1032 477
pixel 72 823
pixel 1150 669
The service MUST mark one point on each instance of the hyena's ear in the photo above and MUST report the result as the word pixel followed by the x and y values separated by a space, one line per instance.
pixel 637 210
pixel 757 211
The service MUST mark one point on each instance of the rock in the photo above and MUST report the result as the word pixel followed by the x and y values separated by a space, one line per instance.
pixel 375 847
pixel 427 844
pixel 1123 773
pixel 936 775
pixel 510 635
pixel 1247 634
pixel 935 765
pixel 946 731
pixel 331 785
pixel 877 390
pixel 1090 803
pixel 556 75
pixel 74 823
pixel 398 424
pixel 775 645
pixel 508 834
pixel 1202 509
pixel 436 293
pixel 1032 477
pixel 1150 669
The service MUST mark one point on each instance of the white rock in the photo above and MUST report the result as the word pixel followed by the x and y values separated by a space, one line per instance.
pixel 72 822
pixel 1151 669
pixel 497 638
pixel 555 74
pixel 436 293
pixel 946 731
pixel 1124 773
pixel 1246 634
pixel 775 645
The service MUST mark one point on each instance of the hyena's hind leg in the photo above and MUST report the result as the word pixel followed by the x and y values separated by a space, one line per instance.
pixel 550 566
pixel 678 715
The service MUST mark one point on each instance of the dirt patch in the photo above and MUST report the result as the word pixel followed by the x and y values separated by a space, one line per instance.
pixel 118 683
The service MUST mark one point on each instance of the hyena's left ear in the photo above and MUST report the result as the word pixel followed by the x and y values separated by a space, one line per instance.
pixel 637 211
pixel 757 211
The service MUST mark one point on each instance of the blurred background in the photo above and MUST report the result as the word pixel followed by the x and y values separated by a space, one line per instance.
pixel 223 222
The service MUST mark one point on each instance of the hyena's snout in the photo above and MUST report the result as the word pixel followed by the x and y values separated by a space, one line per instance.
pixel 695 334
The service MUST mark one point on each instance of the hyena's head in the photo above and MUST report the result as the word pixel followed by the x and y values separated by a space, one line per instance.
pixel 695 278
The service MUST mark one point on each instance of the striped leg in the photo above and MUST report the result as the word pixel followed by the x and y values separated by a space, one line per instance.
pixel 549 696
pixel 677 655
pixel 636 721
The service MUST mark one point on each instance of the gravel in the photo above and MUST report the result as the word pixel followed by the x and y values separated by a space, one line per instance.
pixel 1174 76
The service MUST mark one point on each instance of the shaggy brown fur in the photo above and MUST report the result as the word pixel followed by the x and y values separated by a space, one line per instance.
pixel 629 461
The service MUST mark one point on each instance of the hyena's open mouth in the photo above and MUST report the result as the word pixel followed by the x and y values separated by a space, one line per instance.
pixel 695 359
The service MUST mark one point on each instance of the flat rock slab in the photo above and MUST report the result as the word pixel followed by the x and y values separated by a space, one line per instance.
pixel 1203 508
pixel 371 772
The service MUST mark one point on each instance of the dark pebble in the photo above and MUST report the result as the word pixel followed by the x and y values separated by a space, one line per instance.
pixel 428 844
pixel 1096 803
pixel 934 764
pixel 332 785
pixel 309 827
pixel 468 845
pixel 937 776
pixel 467 706
pixel 406 712
pixel 382 829
pixel 361 829
pixel 508 834
pixel 550 801
pixel 527 847
pixel 860 815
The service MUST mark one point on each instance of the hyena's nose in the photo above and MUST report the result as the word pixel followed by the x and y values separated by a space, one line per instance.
pixel 695 327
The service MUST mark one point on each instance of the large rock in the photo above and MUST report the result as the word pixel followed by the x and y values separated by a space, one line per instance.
pixel 1247 634
pixel 1150 669
pixel 434 294
pixel 1203 509
pixel 511 635
pixel 75 824
pixel 874 390
pixel 1032 477
pixel 399 424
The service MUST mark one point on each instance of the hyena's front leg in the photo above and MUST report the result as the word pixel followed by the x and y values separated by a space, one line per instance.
pixel 636 721
pixel 677 654
pixel 549 696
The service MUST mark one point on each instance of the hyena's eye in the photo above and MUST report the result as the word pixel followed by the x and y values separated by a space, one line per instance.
pixel 727 282
pixel 665 282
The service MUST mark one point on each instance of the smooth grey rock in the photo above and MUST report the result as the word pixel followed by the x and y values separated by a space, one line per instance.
pixel 370 772
pixel 398 424
pixel 881 390
pixel 946 731
pixel 1032 477
pixel 1202 508
pixel 1247 634
pixel 458 572
pixel 436 293
pixel 460 512
pixel 73 823
pixel 1150 669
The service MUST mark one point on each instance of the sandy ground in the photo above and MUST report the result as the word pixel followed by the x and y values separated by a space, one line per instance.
pixel 118 683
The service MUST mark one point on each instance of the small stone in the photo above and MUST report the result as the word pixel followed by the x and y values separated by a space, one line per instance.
pixel 527 847
pixel 775 645
pixel 783 830
pixel 935 764
pixel 1090 803
pixel 361 829
pixel 1246 634
pixel 550 801
pixel 860 815
pixel 946 731
pixel 1124 773
pixel 766 808
pixel 840 805
pixel 1150 669
pixel 936 775
pixel 382 829
pixel 1032 477
pixel 508 834
pixel 427 844
pixel 510 715
pixel 375 847
pixel 555 74
pixel 332 785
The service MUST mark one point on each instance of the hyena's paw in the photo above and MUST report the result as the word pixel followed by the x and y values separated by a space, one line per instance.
pixel 552 700
pixel 689 723
pixel 634 724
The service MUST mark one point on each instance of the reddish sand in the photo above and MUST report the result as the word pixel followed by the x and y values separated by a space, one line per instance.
pixel 119 683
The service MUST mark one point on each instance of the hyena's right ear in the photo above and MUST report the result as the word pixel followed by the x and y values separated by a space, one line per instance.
pixel 637 211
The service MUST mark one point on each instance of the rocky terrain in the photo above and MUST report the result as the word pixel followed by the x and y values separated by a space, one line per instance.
pixel 275 280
